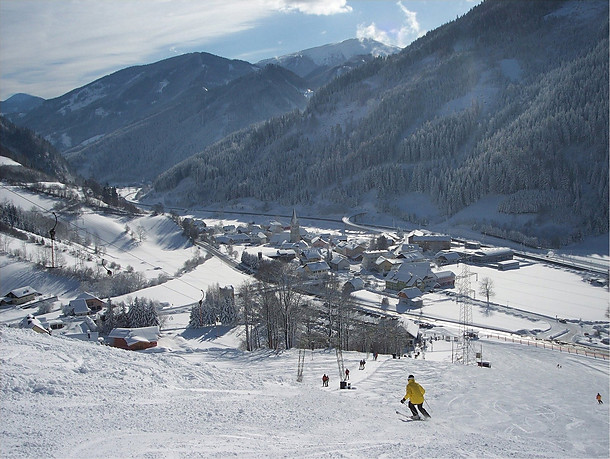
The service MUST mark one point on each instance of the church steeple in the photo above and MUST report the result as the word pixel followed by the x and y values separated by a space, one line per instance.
pixel 295 231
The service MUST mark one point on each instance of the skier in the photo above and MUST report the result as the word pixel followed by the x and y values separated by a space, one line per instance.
pixel 325 380
pixel 598 397
pixel 346 374
pixel 415 395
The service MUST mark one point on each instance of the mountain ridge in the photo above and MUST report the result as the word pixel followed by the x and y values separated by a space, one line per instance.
pixel 467 111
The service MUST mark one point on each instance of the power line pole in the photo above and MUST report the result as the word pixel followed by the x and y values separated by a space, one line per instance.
pixel 465 353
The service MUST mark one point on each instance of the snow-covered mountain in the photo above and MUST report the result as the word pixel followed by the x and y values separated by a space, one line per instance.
pixel 313 60
pixel 507 103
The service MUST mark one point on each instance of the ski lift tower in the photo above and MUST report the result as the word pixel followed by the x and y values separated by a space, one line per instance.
pixel 466 353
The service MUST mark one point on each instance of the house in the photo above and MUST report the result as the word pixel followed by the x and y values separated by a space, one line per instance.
pixel 134 339
pixel 339 263
pixel 351 249
pixel 233 238
pixel 77 307
pixel 369 257
pixel 284 255
pixel 447 257
pixel 317 268
pixel 408 251
pixel 444 279
pixel 508 264
pixel 258 238
pixel 352 285
pixel 310 255
pixel 319 243
pixel 93 302
pixel 21 295
pixel 83 329
pixel 429 241
pixel 411 296
pixel 410 275
pixel 276 227
pixel 278 238
pixel 32 322
pixel 385 265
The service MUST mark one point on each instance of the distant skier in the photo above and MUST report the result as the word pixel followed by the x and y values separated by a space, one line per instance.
pixel 346 374
pixel 598 397
pixel 415 395
pixel 325 380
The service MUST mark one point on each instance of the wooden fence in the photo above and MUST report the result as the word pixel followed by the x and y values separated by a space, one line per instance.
pixel 552 346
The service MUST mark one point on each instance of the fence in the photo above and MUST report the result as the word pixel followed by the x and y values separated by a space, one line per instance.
pixel 552 346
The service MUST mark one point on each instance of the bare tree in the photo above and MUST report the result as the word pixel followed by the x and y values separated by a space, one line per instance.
pixel 486 288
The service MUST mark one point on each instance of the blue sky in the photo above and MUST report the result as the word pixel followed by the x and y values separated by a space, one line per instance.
pixel 49 47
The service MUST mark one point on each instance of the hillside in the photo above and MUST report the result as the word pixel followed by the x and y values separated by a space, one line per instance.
pixel 134 124
pixel 38 159
pixel 140 151
pixel 195 395
pixel 482 107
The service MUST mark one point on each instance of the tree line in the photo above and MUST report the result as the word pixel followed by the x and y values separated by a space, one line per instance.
pixel 277 314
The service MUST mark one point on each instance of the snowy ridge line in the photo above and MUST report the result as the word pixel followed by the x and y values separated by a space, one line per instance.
pixel 551 346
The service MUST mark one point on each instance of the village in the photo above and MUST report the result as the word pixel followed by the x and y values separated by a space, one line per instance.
pixel 401 267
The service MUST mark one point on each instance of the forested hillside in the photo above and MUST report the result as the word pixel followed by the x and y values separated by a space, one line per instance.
pixel 510 99
pixel 140 151
pixel 39 160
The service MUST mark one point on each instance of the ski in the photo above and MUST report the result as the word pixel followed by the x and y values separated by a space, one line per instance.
pixel 408 418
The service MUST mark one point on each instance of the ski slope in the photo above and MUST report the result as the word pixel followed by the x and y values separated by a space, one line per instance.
pixel 196 395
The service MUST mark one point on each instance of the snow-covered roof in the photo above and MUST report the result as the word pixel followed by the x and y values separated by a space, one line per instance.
pixel 357 283
pixel 444 274
pixel 317 266
pixel 79 306
pixel 136 335
pixel 407 271
pixel 411 327
pixel 410 292
pixel 448 255
pixel 22 291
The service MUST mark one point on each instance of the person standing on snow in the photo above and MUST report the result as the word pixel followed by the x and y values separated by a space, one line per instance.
pixel 415 395
pixel 598 397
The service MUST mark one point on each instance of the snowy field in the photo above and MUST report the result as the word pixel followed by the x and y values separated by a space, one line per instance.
pixel 195 396
pixel 198 395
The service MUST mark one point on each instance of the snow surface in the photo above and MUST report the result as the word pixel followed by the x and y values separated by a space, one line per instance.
pixel 4 161
pixel 197 394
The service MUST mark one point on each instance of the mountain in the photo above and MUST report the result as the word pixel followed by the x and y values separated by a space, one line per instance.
pixel 39 160
pixel 140 151
pixel 129 95
pixel 331 59
pixel 131 126
pixel 508 103
pixel 20 104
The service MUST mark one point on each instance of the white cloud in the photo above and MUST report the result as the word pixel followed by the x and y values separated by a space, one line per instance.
pixel 316 7
pixel 70 39
pixel 409 30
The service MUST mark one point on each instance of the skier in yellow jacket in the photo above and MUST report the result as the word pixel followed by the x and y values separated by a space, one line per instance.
pixel 415 395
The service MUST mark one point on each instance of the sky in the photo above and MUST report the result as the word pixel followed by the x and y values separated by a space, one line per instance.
pixel 48 48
